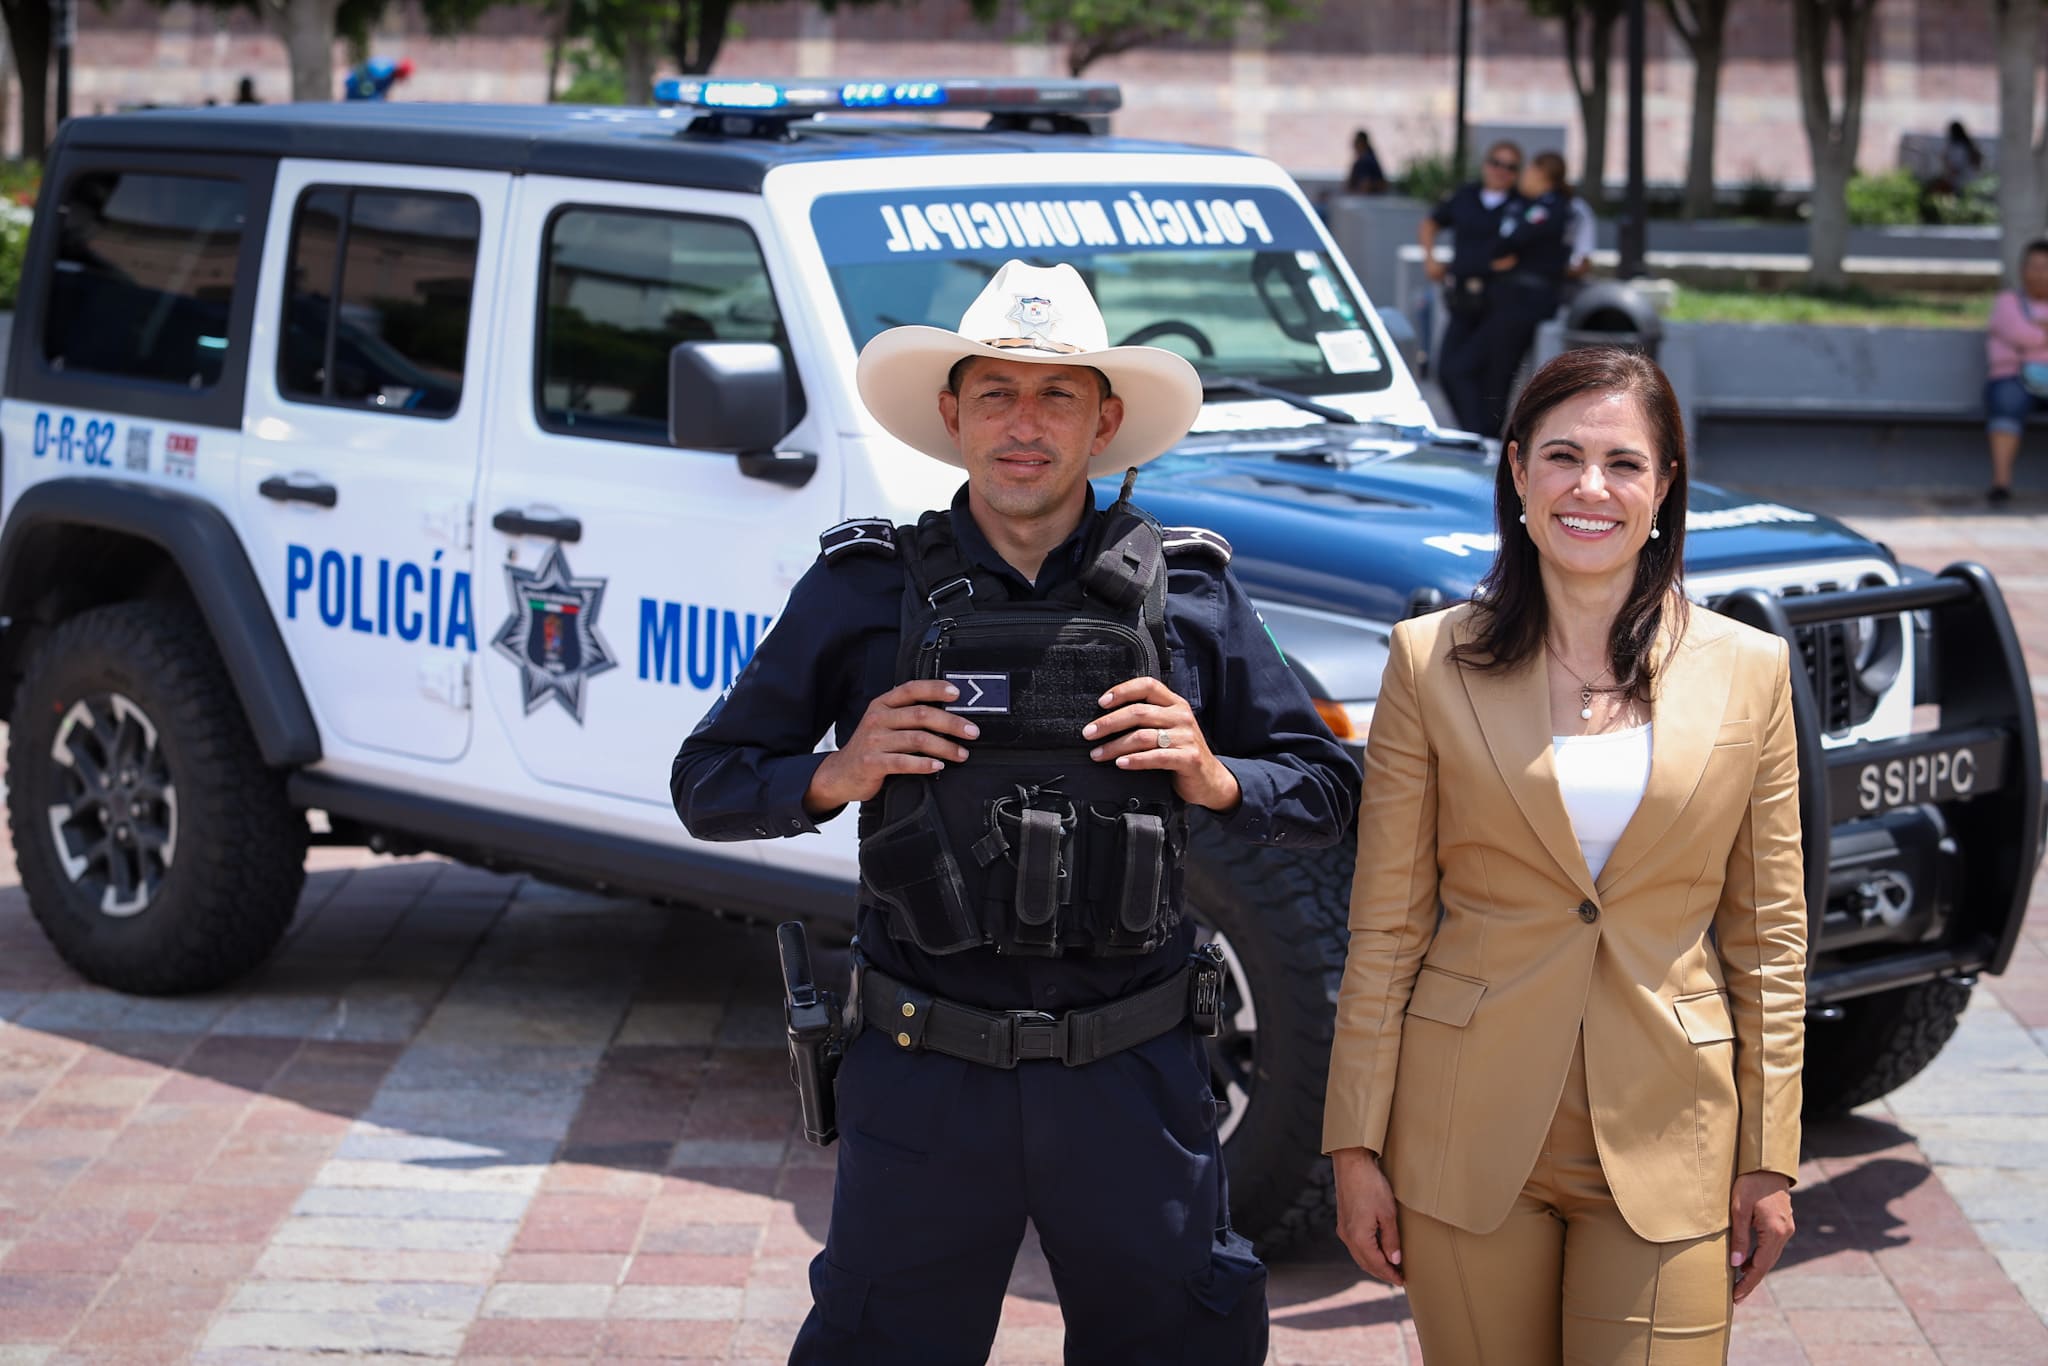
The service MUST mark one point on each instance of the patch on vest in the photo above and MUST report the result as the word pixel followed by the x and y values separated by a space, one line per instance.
pixel 1195 540
pixel 987 693
pixel 859 536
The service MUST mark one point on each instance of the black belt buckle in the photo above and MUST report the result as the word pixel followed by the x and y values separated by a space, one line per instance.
pixel 1033 1035
pixel 1205 990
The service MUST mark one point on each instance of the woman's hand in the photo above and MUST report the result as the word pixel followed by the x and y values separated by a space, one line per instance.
pixel 1760 1213
pixel 1365 1214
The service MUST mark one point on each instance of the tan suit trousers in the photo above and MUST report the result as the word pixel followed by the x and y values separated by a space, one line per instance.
pixel 1565 1281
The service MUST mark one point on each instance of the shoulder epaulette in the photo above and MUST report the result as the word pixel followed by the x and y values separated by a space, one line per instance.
pixel 859 536
pixel 1198 541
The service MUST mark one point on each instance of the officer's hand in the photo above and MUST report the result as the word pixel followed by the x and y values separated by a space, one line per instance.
pixel 1505 262
pixel 1436 270
pixel 1760 1207
pixel 1138 713
pixel 1366 1219
pixel 905 730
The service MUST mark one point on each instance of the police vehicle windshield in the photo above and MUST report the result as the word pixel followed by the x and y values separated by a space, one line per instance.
pixel 1232 277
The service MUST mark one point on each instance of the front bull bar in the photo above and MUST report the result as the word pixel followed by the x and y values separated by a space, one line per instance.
pixel 1986 698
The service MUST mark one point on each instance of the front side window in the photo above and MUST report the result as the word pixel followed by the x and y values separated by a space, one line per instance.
pixel 622 289
pixel 377 299
pixel 145 276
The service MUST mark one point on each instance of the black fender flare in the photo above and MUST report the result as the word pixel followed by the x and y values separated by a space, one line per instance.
pixel 198 538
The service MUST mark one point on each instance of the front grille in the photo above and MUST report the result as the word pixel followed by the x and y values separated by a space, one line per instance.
pixel 1824 649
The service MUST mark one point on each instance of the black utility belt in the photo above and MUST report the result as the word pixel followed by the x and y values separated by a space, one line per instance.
pixel 917 1020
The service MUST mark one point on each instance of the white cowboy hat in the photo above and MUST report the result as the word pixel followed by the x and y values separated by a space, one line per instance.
pixel 1042 314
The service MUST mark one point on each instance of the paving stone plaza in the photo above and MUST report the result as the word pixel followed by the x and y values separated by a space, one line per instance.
pixel 470 1116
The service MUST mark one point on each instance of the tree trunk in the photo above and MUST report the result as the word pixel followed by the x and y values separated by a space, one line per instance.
pixel 2022 139
pixel 1831 136
pixel 307 27
pixel 700 34
pixel 1703 24
pixel 558 39
pixel 1699 161
pixel 636 70
pixel 1592 85
pixel 28 31
pixel 1827 231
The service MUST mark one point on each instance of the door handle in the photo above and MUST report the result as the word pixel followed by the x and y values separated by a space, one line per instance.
pixel 792 469
pixel 513 522
pixel 282 490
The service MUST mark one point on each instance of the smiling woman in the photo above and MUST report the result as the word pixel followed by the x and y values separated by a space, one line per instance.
pixel 1579 891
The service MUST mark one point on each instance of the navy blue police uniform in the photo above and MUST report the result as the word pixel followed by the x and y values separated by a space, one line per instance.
pixel 1537 234
pixel 942 1160
pixel 1469 296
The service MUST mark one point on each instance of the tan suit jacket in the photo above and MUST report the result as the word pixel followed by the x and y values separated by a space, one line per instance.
pixel 1455 1026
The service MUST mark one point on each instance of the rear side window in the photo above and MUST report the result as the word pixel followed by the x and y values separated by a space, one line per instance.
pixel 622 289
pixel 377 299
pixel 144 279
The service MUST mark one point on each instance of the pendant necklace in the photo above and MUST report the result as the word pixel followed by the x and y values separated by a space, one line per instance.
pixel 1586 688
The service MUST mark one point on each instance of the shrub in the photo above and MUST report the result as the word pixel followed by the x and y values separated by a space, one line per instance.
pixel 1428 177
pixel 14 225
pixel 1976 206
pixel 1891 200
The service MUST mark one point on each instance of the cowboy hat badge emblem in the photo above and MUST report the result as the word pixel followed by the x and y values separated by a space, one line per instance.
pixel 1033 314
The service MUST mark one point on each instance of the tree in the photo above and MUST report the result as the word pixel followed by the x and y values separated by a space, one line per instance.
pixel 1832 130
pixel 1091 30
pixel 1592 76
pixel 28 32
pixel 1703 24
pixel 308 29
pixel 2022 137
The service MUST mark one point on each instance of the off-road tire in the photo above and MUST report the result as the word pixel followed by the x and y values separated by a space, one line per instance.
pixel 228 891
pixel 1880 1043
pixel 1284 914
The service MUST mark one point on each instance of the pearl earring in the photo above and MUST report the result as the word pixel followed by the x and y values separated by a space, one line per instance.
pixel 1524 518
pixel 1654 532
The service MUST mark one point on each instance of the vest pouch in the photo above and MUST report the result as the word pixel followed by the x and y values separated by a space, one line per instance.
pixel 907 864
pixel 1135 848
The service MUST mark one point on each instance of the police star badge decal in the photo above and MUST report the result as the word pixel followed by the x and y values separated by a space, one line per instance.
pixel 552 633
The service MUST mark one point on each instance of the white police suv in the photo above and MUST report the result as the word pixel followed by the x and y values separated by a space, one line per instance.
pixel 434 467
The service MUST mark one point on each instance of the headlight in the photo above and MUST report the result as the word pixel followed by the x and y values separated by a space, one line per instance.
pixel 1877 649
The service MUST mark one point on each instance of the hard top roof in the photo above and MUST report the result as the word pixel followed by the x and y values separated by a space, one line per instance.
pixel 554 139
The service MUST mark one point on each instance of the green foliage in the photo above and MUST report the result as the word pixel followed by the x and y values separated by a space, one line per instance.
pixel 1428 177
pixel 14 226
pixel 1094 29
pixel 595 77
pixel 1852 307
pixel 19 181
pixel 1890 200
pixel 1975 206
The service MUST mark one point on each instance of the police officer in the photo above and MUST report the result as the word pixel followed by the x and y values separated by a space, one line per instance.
pixel 1473 212
pixel 1532 257
pixel 1027 694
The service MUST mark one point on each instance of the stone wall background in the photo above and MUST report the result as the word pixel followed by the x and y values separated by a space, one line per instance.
pixel 1294 94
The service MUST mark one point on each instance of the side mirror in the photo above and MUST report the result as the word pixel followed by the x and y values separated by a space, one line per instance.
pixel 727 396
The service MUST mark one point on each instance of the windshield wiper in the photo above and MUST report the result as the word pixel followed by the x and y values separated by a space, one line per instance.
pixel 1237 384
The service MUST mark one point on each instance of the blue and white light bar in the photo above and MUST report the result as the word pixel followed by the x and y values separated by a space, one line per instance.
pixel 967 94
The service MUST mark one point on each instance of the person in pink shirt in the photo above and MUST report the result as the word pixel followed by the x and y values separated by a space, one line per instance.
pixel 2016 346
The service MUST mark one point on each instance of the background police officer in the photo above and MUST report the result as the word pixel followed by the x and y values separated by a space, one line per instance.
pixel 1473 213
pixel 1532 257
pixel 1109 1148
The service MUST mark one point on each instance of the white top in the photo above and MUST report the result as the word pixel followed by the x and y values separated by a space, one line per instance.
pixel 1602 778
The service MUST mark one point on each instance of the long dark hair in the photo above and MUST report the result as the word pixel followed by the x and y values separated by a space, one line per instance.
pixel 1513 616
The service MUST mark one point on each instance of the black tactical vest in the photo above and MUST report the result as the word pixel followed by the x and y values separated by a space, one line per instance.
pixel 1030 846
